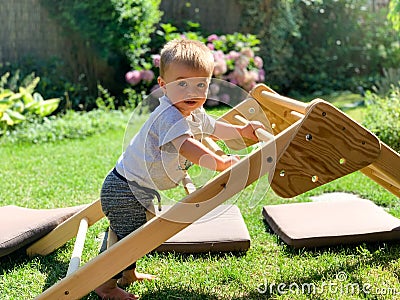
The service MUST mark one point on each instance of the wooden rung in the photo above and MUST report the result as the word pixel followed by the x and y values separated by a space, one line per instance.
pixel 78 247
pixel 285 101
pixel 188 185
pixel 213 146
pixel 262 134
pixel 297 115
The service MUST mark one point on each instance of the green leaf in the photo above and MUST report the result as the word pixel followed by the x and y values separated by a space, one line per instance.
pixel 7 119
pixel 26 95
pixel 37 97
pixel 5 94
pixel 14 97
pixel 18 106
pixel 32 106
pixel 47 107
pixel 32 85
pixel 15 116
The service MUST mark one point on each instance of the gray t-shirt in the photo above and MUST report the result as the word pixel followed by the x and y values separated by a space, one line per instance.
pixel 150 158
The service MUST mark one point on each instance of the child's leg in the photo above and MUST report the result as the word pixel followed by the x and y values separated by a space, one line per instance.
pixel 110 290
pixel 131 275
pixel 125 214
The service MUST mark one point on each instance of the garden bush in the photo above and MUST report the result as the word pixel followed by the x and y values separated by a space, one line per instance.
pixel 322 46
pixel 26 118
pixel 383 117
pixel 234 54
pixel 115 33
pixel 71 125
pixel 19 102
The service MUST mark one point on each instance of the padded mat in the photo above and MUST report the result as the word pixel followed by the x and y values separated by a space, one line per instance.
pixel 21 226
pixel 331 221
pixel 221 230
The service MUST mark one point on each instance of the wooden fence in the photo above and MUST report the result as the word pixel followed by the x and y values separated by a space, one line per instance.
pixel 220 16
pixel 27 31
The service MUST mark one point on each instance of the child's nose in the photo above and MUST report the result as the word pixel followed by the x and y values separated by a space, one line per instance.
pixel 194 91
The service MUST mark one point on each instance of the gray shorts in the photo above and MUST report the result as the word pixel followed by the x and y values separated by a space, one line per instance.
pixel 125 203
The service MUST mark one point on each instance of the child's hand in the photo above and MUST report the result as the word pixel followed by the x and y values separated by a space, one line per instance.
pixel 248 130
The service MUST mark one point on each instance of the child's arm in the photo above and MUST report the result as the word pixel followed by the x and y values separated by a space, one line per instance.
pixel 199 154
pixel 225 131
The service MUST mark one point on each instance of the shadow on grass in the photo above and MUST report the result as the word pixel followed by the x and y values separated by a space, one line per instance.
pixel 49 265
pixel 184 257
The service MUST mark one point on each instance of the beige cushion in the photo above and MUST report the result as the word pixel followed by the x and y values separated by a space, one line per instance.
pixel 21 226
pixel 331 222
pixel 222 229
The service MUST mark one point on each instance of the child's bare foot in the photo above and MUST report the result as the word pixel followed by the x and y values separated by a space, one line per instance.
pixel 130 276
pixel 110 290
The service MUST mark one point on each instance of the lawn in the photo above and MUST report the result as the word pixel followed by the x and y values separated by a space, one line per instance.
pixel 71 172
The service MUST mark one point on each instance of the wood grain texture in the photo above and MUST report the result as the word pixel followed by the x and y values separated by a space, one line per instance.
pixel 386 170
pixel 328 145
pixel 251 111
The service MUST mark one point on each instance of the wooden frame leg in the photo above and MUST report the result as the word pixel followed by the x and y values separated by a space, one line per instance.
pixel 66 230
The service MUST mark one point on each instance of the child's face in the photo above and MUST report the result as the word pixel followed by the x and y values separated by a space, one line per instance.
pixel 186 88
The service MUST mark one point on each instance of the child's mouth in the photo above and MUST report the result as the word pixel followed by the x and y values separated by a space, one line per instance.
pixel 190 102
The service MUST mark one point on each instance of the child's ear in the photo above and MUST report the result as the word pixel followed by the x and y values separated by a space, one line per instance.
pixel 161 82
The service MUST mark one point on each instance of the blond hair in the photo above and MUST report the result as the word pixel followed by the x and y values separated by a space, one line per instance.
pixel 192 53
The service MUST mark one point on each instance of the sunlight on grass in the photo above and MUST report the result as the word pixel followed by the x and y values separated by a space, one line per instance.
pixel 71 173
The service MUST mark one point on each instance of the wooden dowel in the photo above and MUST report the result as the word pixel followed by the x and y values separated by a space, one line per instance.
pixel 188 185
pixel 78 247
pixel 285 101
pixel 297 115
pixel 262 134
pixel 213 146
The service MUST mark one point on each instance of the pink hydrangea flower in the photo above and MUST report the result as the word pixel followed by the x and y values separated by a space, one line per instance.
pixel 210 46
pixel 218 55
pixel 156 60
pixel 258 62
pixel 133 77
pixel 247 52
pixel 233 55
pixel 261 75
pixel 220 67
pixel 225 98
pixel 214 89
pixel 147 75
pixel 212 38
pixel 242 62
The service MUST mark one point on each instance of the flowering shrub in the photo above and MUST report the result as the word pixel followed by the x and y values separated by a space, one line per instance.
pixel 234 56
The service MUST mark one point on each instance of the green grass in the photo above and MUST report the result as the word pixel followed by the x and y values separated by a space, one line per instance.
pixel 70 172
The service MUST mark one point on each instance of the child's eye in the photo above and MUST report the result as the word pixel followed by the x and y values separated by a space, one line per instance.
pixel 182 83
pixel 201 85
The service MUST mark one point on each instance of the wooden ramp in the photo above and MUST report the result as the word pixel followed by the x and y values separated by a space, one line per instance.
pixel 305 146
